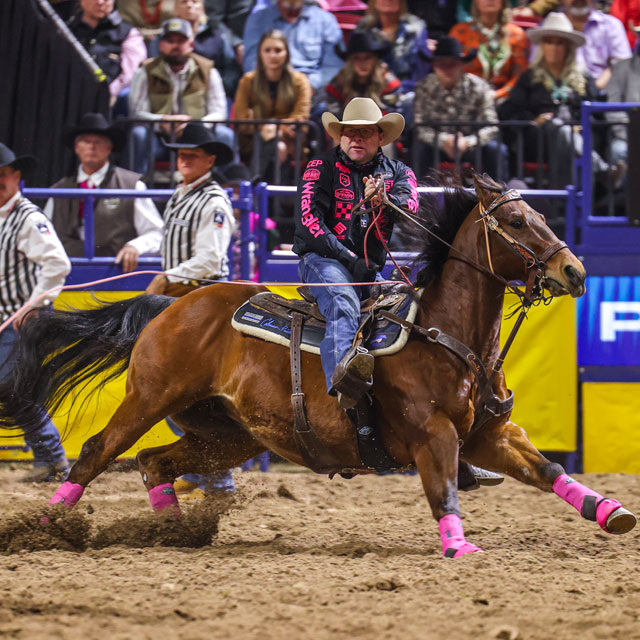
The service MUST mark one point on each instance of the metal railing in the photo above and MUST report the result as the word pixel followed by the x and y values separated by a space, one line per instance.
pixel 243 203
pixel 306 132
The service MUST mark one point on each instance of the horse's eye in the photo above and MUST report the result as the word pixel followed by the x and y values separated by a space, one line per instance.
pixel 516 224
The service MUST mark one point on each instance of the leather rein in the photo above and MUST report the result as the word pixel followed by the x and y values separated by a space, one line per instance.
pixel 487 403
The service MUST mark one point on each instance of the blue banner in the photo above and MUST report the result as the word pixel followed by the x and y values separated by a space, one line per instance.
pixel 609 322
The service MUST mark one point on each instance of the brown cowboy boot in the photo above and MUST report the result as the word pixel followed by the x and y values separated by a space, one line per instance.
pixel 353 376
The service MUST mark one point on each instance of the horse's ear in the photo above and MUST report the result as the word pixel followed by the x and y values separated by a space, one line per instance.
pixel 486 188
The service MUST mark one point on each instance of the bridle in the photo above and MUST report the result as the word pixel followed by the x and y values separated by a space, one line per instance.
pixel 535 265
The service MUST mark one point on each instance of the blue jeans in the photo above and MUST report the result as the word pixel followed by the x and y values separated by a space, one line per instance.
pixel 339 305
pixel 45 441
pixel 141 145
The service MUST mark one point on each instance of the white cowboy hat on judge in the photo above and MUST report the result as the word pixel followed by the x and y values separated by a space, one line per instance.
pixel 362 112
pixel 556 24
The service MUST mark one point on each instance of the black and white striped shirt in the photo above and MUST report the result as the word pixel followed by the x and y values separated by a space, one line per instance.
pixel 198 225
pixel 32 259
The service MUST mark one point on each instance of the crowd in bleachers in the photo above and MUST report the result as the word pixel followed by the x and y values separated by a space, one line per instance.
pixel 261 72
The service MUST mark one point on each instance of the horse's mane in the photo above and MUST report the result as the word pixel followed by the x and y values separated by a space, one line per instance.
pixel 443 214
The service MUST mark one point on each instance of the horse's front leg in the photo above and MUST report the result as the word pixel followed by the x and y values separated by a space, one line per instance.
pixel 436 457
pixel 504 447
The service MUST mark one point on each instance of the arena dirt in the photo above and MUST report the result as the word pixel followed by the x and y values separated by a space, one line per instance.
pixel 299 556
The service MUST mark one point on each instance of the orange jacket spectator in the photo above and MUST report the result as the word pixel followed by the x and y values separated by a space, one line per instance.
pixel 501 58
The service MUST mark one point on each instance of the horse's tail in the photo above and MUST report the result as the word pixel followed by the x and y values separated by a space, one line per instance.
pixel 60 351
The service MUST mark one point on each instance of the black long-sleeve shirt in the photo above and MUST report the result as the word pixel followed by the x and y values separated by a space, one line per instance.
pixel 329 189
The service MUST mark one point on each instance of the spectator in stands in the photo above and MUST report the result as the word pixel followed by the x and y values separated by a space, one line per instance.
pixel 210 41
pixel 116 46
pixel 274 90
pixel 406 33
pixel 199 222
pixel 535 9
pixel 628 12
pixel 549 94
pixel 233 14
pixel 176 86
pixel 32 262
pixel 311 33
pixel 364 74
pixel 448 93
pixel 123 227
pixel 624 86
pixel 146 15
pixel 502 47
pixel 605 39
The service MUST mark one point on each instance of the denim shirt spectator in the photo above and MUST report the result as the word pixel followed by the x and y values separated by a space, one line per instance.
pixel 470 99
pixel 403 59
pixel 311 37
pixel 606 43
pixel 216 45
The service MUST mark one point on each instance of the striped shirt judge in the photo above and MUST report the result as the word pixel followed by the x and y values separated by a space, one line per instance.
pixel 198 225
pixel 32 258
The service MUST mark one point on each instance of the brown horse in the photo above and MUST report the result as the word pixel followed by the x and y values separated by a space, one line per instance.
pixel 230 393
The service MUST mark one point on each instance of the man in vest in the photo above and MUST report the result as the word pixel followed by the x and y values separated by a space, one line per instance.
pixel 175 87
pixel 32 262
pixel 199 223
pixel 116 46
pixel 123 227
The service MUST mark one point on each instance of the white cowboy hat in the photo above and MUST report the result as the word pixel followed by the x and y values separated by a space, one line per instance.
pixel 362 112
pixel 556 24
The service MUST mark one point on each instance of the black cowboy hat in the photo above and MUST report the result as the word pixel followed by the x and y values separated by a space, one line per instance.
pixel 197 136
pixel 364 42
pixel 24 164
pixel 97 124
pixel 448 47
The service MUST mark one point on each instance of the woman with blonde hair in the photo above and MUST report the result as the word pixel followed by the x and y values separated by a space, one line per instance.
pixel 272 91
pixel 549 94
pixel 502 47
pixel 363 75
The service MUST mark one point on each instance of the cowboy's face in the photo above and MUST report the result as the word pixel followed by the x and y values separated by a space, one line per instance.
pixel 93 151
pixel 194 163
pixel 189 10
pixel 554 50
pixel 363 63
pixel 448 71
pixel 175 48
pixel 9 183
pixel 96 9
pixel 361 142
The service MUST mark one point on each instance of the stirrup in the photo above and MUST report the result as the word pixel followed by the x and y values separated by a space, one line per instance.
pixel 353 376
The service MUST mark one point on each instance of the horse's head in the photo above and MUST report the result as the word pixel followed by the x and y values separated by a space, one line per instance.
pixel 520 246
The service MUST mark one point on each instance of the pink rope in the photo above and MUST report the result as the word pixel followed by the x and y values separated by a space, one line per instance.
pixel 82 285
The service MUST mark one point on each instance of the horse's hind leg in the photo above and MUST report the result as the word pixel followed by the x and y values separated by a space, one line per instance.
pixel 505 447
pixel 221 449
pixel 436 457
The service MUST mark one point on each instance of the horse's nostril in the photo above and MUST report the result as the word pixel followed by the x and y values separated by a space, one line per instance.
pixel 572 274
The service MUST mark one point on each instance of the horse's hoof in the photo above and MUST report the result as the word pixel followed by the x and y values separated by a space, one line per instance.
pixel 620 521
pixel 465 549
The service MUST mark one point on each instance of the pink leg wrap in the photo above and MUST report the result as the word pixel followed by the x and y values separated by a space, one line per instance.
pixel 164 497
pixel 590 504
pixel 452 536
pixel 68 494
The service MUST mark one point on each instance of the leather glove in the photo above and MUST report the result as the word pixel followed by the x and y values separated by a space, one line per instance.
pixel 362 273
